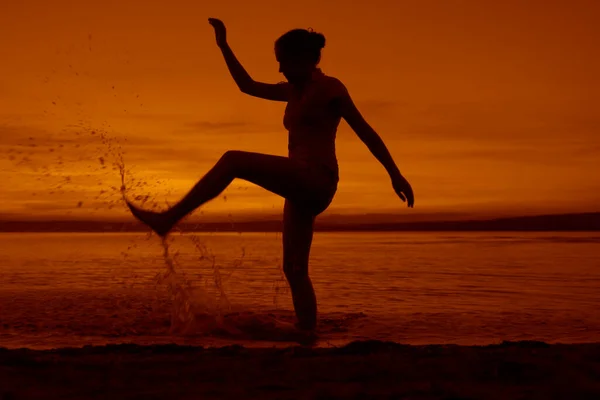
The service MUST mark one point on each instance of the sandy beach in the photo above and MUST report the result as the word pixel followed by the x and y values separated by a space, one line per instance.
pixel 359 370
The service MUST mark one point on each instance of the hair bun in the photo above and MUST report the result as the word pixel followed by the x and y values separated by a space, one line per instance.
pixel 318 39
pixel 300 43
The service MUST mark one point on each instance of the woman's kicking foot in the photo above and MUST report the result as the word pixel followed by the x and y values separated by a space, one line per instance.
pixel 159 222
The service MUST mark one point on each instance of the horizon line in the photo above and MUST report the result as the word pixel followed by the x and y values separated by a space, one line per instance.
pixel 552 222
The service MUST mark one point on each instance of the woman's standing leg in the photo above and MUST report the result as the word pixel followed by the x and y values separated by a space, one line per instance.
pixel 297 236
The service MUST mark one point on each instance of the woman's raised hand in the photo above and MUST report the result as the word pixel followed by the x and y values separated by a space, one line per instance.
pixel 220 31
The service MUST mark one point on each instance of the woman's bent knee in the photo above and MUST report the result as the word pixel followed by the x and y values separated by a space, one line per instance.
pixel 230 156
pixel 231 160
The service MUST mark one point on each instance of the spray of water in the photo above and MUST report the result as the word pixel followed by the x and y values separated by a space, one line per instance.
pixel 194 308
pixel 84 158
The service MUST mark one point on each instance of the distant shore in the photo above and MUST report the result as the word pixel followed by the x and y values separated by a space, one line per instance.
pixel 359 370
pixel 584 222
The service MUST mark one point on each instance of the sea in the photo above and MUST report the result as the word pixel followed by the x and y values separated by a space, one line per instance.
pixel 215 289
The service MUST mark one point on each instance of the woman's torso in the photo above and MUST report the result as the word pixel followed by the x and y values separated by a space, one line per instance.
pixel 312 118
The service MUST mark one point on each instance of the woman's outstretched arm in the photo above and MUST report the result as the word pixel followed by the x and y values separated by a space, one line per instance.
pixel 275 92
pixel 373 141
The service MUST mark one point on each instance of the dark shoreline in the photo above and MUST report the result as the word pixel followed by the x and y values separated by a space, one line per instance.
pixel 364 369
pixel 583 222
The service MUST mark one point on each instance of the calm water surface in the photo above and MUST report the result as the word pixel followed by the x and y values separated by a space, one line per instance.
pixel 468 288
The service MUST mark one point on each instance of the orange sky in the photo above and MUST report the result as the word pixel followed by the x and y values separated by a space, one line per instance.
pixel 488 107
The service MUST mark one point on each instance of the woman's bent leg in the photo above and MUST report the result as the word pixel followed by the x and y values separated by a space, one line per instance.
pixel 279 175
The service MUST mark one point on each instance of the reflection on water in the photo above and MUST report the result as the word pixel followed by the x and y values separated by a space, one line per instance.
pixel 75 289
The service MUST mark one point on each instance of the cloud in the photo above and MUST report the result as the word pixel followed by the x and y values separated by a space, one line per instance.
pixel 70 135
pixel 73 140
pixel 517 124
pixel 16 134
pixel 172 154
pixel 211 125
pixel 229 127
pixel 164 117
pixel 542 155
pixel 377 107
pixel 588 150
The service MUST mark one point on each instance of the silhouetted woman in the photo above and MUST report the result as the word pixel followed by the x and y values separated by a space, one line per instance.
pixel 308 177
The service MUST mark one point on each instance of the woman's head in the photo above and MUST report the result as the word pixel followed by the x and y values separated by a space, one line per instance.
pixel 298 53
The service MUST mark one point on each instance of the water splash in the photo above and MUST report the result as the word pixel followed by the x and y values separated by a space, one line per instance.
pixel 195 310
pixel 77 164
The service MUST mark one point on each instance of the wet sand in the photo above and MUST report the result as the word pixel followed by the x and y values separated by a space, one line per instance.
pixel 359 370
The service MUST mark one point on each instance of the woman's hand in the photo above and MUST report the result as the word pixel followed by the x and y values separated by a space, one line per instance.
pixel 403 189
pixel 220 31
